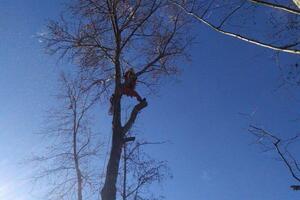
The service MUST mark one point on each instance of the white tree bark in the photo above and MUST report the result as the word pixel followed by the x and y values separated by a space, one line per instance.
pixel 297 3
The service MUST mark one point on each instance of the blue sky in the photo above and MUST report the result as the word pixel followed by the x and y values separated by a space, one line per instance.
pixel 210 151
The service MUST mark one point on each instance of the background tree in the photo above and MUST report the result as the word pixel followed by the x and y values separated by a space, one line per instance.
pixel 139 171
pixel 67 163
pixel 107 37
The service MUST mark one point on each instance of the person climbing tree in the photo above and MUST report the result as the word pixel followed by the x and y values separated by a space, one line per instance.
pixel 150 35
pixel 127 88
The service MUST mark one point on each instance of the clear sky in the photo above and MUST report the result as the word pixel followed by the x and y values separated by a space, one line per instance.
pixel 210 152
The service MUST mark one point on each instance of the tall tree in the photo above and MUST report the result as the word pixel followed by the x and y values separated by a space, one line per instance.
pixel 105 38
pixel 66 164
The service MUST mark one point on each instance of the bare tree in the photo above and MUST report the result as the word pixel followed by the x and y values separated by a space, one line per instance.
pixel 140 171
pixel 271 142
pixel 107 37
pixel 66 164
pixel 240 19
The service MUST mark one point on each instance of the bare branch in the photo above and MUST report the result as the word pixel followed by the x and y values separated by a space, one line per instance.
pixel 140 170
pixel 285 48
pixel 276 142
pixel 276 6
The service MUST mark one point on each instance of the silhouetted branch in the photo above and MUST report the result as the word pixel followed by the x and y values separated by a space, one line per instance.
pixel 265 137
pixel 133 115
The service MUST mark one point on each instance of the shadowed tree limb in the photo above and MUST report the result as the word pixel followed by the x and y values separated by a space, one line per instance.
pixel 135 111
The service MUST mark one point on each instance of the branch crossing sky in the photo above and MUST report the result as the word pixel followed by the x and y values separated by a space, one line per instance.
pixel 228 85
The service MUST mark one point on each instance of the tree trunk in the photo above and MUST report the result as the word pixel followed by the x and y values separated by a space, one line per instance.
pixel 76 159
pixel 124 172
pixel 108 191
pixel 79 184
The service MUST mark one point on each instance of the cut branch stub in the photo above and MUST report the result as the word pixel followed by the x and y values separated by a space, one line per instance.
pixel 129 139
pixel 295 187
